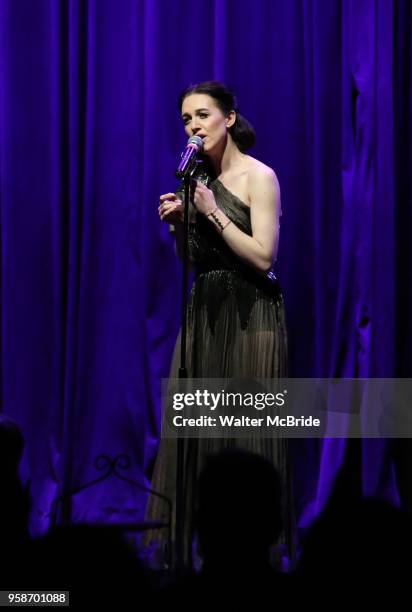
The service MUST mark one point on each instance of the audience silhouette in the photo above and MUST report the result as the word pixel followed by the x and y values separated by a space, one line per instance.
pixel 363 546
pixel 356 545
pixel 14 501
pixel 238 518
pixel 95 563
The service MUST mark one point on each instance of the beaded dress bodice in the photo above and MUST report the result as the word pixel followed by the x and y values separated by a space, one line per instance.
pixel 219 272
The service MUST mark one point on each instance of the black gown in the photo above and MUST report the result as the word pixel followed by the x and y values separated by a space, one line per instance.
pixel 236 329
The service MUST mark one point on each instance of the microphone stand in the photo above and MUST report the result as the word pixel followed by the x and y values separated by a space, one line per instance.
pixel 180 460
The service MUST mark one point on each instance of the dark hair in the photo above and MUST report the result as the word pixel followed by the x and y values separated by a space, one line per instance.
pixel 241 131
pixel 238 501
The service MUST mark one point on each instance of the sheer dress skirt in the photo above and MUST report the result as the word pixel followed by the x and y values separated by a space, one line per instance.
pixel 236 329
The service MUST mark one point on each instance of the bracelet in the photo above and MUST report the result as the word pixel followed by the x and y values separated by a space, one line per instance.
pixel 212 211
pixel 217 221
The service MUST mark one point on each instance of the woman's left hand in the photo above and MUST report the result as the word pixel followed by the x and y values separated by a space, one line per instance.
pixel 203 198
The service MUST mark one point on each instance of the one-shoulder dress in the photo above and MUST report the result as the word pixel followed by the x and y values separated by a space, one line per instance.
pixel 236 329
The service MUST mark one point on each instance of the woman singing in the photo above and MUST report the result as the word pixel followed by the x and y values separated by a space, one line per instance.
pixel 236 323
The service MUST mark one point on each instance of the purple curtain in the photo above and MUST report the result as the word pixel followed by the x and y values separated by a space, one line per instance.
pixel 89 137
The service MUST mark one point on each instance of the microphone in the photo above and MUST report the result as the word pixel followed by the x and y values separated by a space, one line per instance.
pixel 193 147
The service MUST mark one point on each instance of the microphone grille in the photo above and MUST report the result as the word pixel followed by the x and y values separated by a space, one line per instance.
pixel 197 141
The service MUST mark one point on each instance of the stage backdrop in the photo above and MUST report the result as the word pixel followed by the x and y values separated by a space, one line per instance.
pixel 89 137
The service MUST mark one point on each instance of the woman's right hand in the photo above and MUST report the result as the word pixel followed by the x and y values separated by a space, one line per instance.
pixel 171 208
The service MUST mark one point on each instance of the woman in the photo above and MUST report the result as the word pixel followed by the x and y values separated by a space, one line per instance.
pixel 236 324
